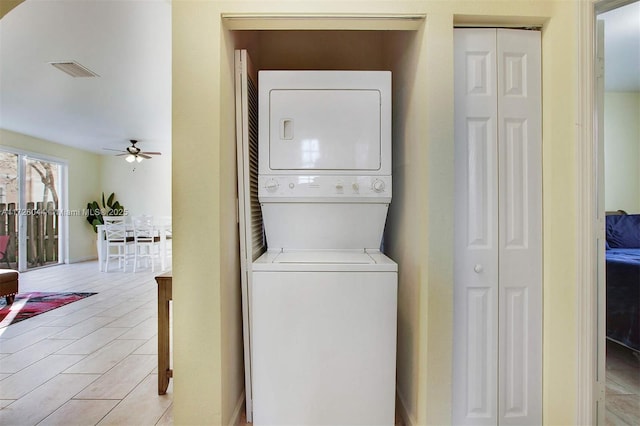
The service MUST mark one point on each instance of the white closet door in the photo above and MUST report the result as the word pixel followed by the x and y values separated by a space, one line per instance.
pixel 251 233
pixel 475 386
pixel 520 229
pixel 498 264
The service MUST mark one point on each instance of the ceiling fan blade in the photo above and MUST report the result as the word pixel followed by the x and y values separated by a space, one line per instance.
pixel 143 155
pixel 111 149
pixel 123 154
pixel 150 153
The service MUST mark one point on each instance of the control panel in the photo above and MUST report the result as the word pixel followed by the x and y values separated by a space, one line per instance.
pixel 347 187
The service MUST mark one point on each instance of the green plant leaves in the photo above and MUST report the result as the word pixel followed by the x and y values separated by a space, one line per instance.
pixel 109 208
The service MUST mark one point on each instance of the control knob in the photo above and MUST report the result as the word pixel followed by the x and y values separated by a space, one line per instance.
pixel 378 185
pixel 271 185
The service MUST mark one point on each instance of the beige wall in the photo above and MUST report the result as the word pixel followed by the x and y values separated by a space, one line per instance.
pixel 559 74
pixel 142 188
pixel 622 151
pixel 197 258
pixel 83 182
pixel 7 5
pixel 207 330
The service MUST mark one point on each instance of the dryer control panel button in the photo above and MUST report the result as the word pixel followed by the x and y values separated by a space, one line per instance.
pixel 342 188
pixel 378 185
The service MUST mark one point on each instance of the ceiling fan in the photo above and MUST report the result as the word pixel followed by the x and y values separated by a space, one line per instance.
pixel 133 153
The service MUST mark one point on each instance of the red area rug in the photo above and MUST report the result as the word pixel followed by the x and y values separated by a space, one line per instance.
pixel 27 305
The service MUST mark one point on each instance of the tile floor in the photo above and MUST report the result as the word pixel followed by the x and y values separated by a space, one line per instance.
pixel 622 398
pixel 92 362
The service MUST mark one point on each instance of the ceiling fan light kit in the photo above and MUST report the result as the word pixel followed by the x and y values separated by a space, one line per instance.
pixel 133 153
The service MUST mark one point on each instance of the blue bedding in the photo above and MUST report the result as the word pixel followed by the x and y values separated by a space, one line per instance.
pixel 623 296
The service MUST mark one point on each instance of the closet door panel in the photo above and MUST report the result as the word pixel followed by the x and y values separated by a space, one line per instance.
pixel 476 242
pixel 251 233
pixel 520 227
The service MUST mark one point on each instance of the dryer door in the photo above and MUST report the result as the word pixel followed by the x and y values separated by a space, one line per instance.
pixel 324 129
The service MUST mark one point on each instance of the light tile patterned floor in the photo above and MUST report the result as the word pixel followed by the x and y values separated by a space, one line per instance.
pixel 623 386
pixel 87 363
pixel 95 361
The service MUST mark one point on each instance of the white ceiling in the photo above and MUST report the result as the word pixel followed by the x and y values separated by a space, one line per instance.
pixel 127 43
pixel 622 48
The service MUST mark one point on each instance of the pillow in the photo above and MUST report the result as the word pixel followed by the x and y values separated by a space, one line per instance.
pixel 623 231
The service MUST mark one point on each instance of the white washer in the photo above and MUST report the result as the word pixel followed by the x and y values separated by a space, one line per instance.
pixel 324 338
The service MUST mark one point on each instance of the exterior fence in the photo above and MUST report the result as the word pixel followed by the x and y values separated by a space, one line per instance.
pixel 42 233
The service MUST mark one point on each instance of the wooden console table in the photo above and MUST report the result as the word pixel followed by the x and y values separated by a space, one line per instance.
pixel 164 297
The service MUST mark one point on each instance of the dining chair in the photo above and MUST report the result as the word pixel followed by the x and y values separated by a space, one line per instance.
pixel 116 236
pixel 168 235
pixel 147 241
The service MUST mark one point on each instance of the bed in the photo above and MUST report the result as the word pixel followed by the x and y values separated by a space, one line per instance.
pixel 623 279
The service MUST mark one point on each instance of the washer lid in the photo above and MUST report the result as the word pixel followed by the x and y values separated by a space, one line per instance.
pixel 323 261
pixel 324 256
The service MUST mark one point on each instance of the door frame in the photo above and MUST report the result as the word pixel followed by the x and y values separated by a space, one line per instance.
pixel 586 190
pixel 590 303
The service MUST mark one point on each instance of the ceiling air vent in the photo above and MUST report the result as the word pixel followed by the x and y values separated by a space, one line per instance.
pixel 74 69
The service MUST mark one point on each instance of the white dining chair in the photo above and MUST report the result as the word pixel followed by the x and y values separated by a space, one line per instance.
pixel 165 221
pixel 116 236
pixel 147 241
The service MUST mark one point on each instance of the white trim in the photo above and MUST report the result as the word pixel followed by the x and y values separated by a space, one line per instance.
pixel 599 222
pixel 590 310
pixel 586 282
pixel 22 223
pixel 63 220
pixel 34 155
pixel 81 259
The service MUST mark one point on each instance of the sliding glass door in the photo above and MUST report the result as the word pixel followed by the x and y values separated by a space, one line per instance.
pixel 30 202
pixel 42 189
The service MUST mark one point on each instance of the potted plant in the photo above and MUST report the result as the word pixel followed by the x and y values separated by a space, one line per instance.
pixel 109 208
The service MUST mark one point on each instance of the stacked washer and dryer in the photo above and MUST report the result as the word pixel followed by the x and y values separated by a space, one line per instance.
pixel 323 296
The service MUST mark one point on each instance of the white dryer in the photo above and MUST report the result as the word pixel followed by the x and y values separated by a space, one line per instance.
pixel 323 297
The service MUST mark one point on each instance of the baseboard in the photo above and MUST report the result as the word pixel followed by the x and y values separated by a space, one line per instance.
pixel 401 409
pixel 237 411
pixel 81 259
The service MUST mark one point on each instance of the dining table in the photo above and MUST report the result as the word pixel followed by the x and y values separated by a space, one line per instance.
pixel 163 230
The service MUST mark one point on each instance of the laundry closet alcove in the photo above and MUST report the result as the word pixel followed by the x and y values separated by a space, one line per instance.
pixel 368 48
